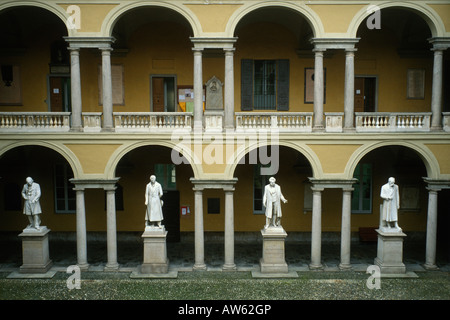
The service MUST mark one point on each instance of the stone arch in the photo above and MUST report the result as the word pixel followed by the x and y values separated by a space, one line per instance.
pixel 53 8
pixel 311 17
pixel 64 152
pixel 432 19
pixel 428 159
pixel 303 150
pixel 114 15
pixel 122 151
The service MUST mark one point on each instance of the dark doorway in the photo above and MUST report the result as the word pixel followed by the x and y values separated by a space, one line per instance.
pixel 171 211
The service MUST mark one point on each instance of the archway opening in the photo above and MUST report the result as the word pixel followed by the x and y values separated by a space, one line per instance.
pixel 35 61
pixel 408 169
pixel 270 40
pixel 394 63
pixel 52 172
pixel 153 46
pixel 291 170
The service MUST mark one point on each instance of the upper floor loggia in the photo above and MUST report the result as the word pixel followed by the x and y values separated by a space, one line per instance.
pixel 275 69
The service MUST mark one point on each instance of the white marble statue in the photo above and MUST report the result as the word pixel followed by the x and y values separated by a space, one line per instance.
pixel 391 204
pixel 153 194
pixel 31 192
pixel 272 202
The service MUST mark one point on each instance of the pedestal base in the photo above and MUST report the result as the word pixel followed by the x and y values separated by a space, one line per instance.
pixel 390 252
pixel 273 259
pixel 155 251
pixel 35 253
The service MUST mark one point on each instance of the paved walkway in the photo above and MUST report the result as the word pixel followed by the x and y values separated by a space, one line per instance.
pixel 247 255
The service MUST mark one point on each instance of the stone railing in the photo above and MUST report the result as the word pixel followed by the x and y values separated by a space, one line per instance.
pixel 446 121
pixel 392 121
pixel 34 121
pixel 152 121
pixel 283 121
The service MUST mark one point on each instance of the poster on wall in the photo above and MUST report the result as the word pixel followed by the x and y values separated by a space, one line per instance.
pixel 309 85
pixel 118 95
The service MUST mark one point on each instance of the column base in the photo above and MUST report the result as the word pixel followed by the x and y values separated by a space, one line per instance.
pixel 431 267
pixel 345 266
pixel 315 267
pixel 111 267
pixel 229 267
pixel 83 266
pixel 199 267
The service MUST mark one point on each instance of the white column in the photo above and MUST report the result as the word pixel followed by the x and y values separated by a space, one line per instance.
pixel 75 89
pixel 107 90
pixel 346 229
pixel 318 90
pixel 229 89
pixel 199 235
pixel 349 93
pixel 430 254
pixel 316 236
pixel 198 89
pixel 81 229
pixel 436 94
pixel 229 232
pixel 111 234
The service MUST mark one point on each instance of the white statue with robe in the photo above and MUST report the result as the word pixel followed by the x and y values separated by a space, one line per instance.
pixel 272 202
pixel 391 204
pixel 153 194
pixel 31 192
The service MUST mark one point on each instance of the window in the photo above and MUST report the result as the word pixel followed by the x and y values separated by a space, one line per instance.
pixel 166 176
pixel 65 201
pixel 265 85
pixel 362 193
pixel 259 182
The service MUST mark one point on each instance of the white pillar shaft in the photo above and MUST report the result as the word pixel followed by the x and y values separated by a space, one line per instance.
pixel 229 89
pixel 81 230
pixel 318 90
pixel 111 235
pixel 198 89
pixel 349 97
pixel 316 230
pixel 107 90
pixel 436 95
pixel 75 89
pixel 430 259
pixel 346 229
pixel 199 235
pixel 229 232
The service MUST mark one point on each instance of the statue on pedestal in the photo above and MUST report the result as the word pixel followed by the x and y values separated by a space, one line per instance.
pixel 153 194
pixel 391 204
pixel 31 192
pixel 272 202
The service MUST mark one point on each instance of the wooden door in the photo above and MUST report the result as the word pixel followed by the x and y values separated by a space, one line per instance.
pixel 158 94
pixel 359 94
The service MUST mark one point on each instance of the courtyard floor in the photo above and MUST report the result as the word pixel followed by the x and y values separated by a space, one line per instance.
pixel 213 285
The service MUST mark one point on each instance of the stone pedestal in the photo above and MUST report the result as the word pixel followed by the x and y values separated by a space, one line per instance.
pixel 35 253
pixel 155 251
pixel 390 251
pixel 273 259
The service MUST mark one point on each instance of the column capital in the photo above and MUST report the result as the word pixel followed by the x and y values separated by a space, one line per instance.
pixel 229 51
pixel 90 42
pixel 436 184
pixel 439 43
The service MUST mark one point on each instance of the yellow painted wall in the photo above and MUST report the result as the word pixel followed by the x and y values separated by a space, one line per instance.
pixel 91 15
pixel 213 17
pixel 442 154
pixel 333 158
pixel 332 22
pixel 93 157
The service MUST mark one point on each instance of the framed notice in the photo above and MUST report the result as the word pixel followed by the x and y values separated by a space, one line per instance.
pixel 10 86
pixel 309 85
pixel 415 86
pixel 409 198
pixel 118 91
